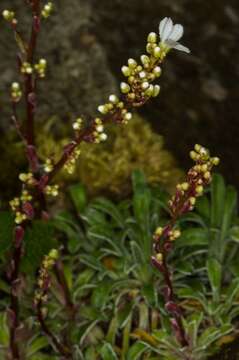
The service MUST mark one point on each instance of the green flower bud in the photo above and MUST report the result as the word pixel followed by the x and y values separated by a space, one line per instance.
pixel 149 91
pixel 54 254
pixel 125 88
pixel 157 71
pixel 156 90
pixel 157 52
pixel 132 63
pixel 145 59
pixel 152 37
pixel 102 109
pixel 126 71
pixel 113 99
pixel 8 15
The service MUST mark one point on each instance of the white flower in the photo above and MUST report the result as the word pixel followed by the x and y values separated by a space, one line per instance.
pixel 170 34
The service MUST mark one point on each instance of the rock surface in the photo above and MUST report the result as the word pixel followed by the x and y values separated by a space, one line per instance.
pixel 200 92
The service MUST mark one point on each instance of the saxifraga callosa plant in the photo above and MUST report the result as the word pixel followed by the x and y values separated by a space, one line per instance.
pixel 37 183
pixel 126 293
pixel 126 309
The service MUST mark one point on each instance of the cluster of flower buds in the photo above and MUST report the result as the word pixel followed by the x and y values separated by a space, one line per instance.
pixel 9 16
pixel 77 124
pixel 21 207
pixel 115 106
pixel 198 177
pixel 15 204
pixel 26 68
pixel 98 133
pixel 41 68
pixel 71 162
pixel 27 178
pixel 47 10
pixel 16 92
pixel 110 107
pixel 52 190
pixel 26 196
pixel 48 166
pixel 44 277
pixel 20 217
pixel 138 87
pixel 184 200
pixel 172 234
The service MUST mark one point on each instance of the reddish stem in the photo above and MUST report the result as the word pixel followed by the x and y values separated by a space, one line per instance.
pixel 18 245
pixel 172 306
pixel 14 280
pixel 65 352
pixel 70 307
pixel 30 85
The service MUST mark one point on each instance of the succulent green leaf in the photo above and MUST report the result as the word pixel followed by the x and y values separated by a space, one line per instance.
pixel 78 197
pixel 137 350
pixel 214 271
pixel 39 240
pixel 107 352
pixel 193 237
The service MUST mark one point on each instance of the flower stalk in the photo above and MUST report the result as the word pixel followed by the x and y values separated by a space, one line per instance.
pixel 27 52
pixel 41 297
pixel 198 177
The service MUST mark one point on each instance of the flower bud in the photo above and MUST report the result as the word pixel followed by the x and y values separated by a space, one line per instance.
pixel 100 128
pixel 128 116
pixel 152 37
pixel 157 71
pixel 158 231
pixel 103 137
pixel 132 63
pixel 149 91
pixel 157 52
pixel 8 15
pixel 159 257
pixel 199 190
pixel 215 161
pixel 54 254
pixel 126 71
pixel 192 200
pixel 47 10
pixel 102 109
pixel 145 59
pixel 145 85
pixel 156 90
pixel 113 99
pixel 125 88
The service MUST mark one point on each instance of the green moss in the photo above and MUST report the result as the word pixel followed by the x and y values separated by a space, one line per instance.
pixel 106 168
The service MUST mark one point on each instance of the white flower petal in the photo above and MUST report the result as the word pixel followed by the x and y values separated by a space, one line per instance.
pixel 162 24
pixel 165 28
pixel 176 33
pixel 171 43
pixel 182 48
pixel 175 45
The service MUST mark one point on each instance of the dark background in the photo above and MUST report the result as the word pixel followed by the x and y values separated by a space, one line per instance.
pixel 87 42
